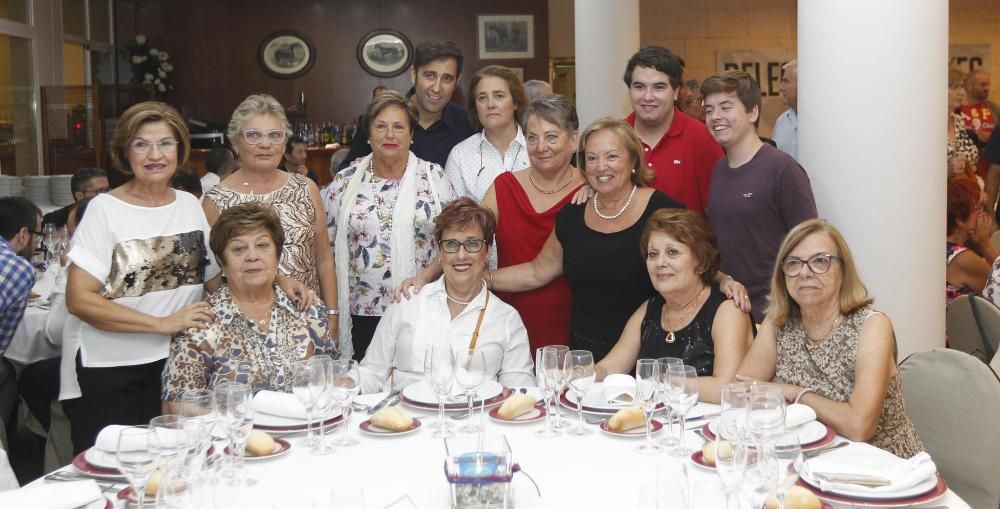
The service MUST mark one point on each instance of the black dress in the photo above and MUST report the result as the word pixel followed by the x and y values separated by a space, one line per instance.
pixel 692 344
pixel 606 274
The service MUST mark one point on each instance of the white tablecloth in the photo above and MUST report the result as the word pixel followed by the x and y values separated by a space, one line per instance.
pixel 29 343
pixel 594 471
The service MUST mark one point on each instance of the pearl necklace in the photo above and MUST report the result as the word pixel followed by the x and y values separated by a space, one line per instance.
pixel 620 212
pixel 554 191
pixel 684 317
pixel 456 301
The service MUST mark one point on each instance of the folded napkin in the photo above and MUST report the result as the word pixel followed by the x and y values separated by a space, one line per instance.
pixel 619 389
pixel 281 404
pixel 798 414
pixel 107 440
pixel 865 459
pixel 63 495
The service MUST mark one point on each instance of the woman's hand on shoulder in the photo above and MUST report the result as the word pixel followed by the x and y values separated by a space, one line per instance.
pixel 582 195
pixel 198 316
pixel 737 292
pixel 408 288
pixel 301 295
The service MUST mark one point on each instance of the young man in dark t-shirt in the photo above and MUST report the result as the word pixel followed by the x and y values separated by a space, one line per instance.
pixel 758 192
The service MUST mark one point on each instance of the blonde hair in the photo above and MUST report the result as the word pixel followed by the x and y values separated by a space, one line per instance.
pixel 853 294
pixel 139 115
pixel 255 105
pixel 956 77
pixel 640 175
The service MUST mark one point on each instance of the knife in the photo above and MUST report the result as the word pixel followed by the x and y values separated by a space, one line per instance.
pixel 859 479
pixel 385 401
pixel 808 455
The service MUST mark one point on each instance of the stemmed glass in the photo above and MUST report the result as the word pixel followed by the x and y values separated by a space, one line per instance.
pixel 729 460
pixel 308 382
pixel 49 240
pixel 580 366
pixel 547 368
pixel 665 363
pixel 470 371
pixel 760 474
pixel 236 412
pixel 647 374
pixel 442 371
pixel 171 443
pixel 766 413
pixel 137 458
pixel 682 387
pixel 346 385
pixel 789 456
pixel 560 377
pixel 733 414
pixel 324 401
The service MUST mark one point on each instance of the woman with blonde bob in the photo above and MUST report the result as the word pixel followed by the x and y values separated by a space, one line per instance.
pixel 825 344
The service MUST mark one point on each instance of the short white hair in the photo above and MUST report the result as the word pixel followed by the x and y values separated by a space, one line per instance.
pixel 252 106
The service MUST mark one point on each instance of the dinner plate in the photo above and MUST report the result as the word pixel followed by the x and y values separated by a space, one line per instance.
pixel 277 421
pixel 866 459
pixel 698 458
pixel 101 459
pixel 639 432
pixel 938 490
pixel 83 466
pixel 275 424
pixel 812 435
pixel 281 446
pixel 422 395
pixel 536 414
pixel 371 429
pixel 128 496
pixel 594 402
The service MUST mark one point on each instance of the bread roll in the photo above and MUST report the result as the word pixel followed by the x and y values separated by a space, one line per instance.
pixel 626 419
pixel 709 453
pixel 516 405
pixel 153 484
pixel 797 498
pixel 260 443
pixel 392 417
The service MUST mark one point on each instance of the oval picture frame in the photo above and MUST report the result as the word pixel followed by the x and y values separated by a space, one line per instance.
pixel 286 54
pixel 384 52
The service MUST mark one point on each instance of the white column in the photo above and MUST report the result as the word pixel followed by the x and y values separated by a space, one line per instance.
pixel 872 110
pixel 606 35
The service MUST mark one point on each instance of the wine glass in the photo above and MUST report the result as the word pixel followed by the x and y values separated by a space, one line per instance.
pixel 442 361
pixel 729 462
pixel 324 401
pixel 682 385
pixel 760 474
pixel 308 381
pixel 560 377
pixel 198 414
pixel 733 414
pixel 347 384
pixel 233 400
pixel 171 441
pixel 765 413
pixel 48 240
pixel 665 363
pixel 470 371
pixel 137 458
pixel 789 455
pixel 546 369
pixel 647 374
pixel 580 366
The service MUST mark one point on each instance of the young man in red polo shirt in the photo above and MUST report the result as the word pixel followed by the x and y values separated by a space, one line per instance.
pixel 678 148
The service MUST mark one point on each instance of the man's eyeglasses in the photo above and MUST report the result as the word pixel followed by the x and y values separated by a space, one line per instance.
pixel 471 245
pixel 143 146
pixel 818 264
pixel 254 136
pixel 95 192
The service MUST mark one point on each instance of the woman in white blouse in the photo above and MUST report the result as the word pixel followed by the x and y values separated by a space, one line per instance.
pixel 496 101
pixel 457 308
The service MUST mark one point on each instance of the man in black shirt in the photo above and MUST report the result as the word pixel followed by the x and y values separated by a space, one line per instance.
pixel 85 183
pixel 437 68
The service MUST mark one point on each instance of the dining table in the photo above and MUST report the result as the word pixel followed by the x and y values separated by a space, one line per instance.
pixel 30 342
pixel 596 470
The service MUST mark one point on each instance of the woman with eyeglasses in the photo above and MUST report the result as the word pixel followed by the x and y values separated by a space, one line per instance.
pixel 827 346
pixel 380 214
pixel 456 309
pixel 258 131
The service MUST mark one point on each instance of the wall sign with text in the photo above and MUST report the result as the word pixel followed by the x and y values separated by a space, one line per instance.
pixel 765 66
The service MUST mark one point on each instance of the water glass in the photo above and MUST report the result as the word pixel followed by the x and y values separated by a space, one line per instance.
pixel 325 402
pixel 789 456
pixel 442 371
pixel 760 474
pixel 560 377
pixel 765 413
pixel 729 463
pixel 171 440
pixel 308 382
pixel 234 401
pixel 547 369
pixel 647 375
pixel 668 440
pixel 137 458
pixel 346 385
pixel 733 414
pixel 682 387
pixel 581 375
pixel 470 371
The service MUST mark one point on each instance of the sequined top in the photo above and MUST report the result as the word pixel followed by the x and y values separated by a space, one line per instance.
pixel 828 369
pixel 236 349
pixel 294 206
pixel 692 344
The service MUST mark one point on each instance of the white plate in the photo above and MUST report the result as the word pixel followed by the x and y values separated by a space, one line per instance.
pixel 808 432
pixel 421 392
pixel 101 459
pixel 867 459
pixel 262 419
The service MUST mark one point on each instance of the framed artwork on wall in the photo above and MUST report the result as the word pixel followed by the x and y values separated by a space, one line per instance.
pixel 506 36
pixel 286 54
pixel 384 53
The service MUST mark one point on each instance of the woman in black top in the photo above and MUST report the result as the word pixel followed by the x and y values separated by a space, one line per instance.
pixel 689 317
pixel 594 244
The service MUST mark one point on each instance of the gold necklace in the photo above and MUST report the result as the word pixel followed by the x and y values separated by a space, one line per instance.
pixel 685 316
pixel 261 322
pixel 829 331
pixel 553 191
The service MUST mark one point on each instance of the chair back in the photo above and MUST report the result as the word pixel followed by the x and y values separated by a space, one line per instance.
pixel 963 329
pixel 953 400
pixel 988 317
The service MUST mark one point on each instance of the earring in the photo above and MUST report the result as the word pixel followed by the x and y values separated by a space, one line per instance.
pixel 633 171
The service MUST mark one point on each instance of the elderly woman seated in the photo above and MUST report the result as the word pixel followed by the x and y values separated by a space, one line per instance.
pixel 258 332
pixel 457 308
pixel 827 346
pixel 689 317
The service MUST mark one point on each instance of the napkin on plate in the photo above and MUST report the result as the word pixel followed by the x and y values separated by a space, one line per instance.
pixel 63 495
pixel 281 404
pixel 798 414
pixel 619 389
pixel 107 440
pixel 903 474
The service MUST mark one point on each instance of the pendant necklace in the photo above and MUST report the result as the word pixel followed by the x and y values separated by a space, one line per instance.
pixel 684 317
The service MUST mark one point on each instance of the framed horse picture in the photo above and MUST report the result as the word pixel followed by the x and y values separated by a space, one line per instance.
pixel 286 54
pixel 384 53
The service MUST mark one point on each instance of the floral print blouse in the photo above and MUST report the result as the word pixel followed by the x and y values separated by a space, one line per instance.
pixel 235 349
pixel 369 233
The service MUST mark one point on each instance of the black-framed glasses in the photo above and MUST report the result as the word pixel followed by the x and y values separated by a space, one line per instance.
pixel 471 245
pixel 818 263
pixel 255 136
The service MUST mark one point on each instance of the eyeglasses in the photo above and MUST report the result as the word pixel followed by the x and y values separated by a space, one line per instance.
pixel 818 264
pixel 95 192
pixel 254 136
pixel 167 146
pixel 398 128
pixel 471 245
